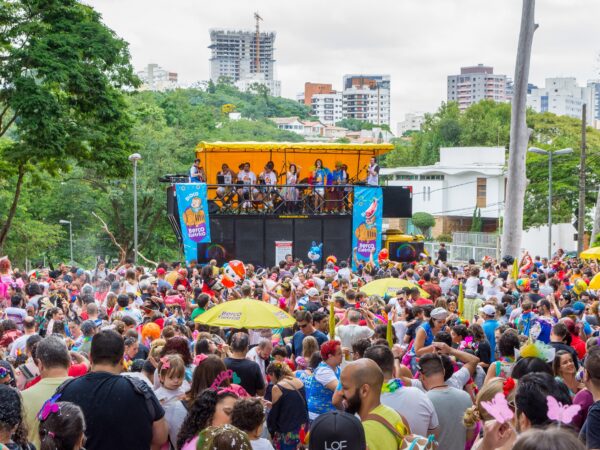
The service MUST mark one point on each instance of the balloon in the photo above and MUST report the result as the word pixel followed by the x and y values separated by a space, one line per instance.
pixel 314 253
pixel 233 272
pixel 384 255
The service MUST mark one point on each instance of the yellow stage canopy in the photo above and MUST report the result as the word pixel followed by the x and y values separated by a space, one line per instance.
pixel 356 156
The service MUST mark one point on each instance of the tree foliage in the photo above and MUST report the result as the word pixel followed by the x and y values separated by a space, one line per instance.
pixel 60 94
pixel 487 123
pixel 423 221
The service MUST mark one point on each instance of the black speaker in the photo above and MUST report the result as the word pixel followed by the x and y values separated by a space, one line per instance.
pixel 249 241
pixel 397 201
pixel 406 251
pixel 337 238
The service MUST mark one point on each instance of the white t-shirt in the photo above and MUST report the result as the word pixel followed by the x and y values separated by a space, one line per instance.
pixel 415 406
pixel 471 286
pixel 349 334
pixel 446 284
pixel 325 375
pixel 270 177
pixel 345 273
pixel 247 177
pixel 261 444
pixel 19 344
pixel 492 288
pixel 457 380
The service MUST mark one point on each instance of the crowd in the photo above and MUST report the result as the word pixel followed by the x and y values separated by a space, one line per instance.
pixel 487 355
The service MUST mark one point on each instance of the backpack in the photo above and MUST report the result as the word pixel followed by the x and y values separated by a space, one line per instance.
pixel 408 442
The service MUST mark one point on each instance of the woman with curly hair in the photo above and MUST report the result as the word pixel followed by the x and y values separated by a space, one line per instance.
pixel 289 411
pixel 212 408
pixel 13 431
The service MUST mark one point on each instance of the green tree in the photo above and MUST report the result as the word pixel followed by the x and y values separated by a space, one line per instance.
pixel 476 222
pixel 60 99
pixel 424 222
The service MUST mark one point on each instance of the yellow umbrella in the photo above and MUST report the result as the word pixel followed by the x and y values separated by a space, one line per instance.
pixel 595 282
pixel 591 253
pixel 246 313
pixel 389 286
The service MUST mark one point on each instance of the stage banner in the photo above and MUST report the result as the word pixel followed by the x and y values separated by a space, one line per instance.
pixel 193 217
pixel 367 221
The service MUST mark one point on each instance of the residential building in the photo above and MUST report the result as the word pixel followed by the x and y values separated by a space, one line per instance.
pixel 328 107
pixel 594 85
pixel 366 98
pixel 465 178
pixel 563 97
pixel 476 83
pixel 293 124
pixel 311 89
pixel 155 78
pixel 316 130
pixel 239 55
pixel 245 84
pixel 411 122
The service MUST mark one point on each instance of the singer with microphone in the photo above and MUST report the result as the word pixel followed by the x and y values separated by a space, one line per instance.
pixel 373 172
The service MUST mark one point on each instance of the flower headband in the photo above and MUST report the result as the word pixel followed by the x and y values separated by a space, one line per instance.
pixel 508 386
pixel 166 363
pixel 199 359
pixel 49 407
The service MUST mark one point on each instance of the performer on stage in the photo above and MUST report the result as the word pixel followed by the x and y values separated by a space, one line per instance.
pixel 373 172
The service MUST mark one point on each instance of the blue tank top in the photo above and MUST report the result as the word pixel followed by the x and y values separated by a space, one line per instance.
pixel 318 396
pixel 428 334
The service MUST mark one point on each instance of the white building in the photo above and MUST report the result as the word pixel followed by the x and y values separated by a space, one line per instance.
pixel 246 84
pixel 155 78
pixel 563 97
pixel 367 98
pixel 476 83
pixel 328 107
pixel 465 178
pixel 411 122
pixel 594 85
pixel 241 57
pixel 293 124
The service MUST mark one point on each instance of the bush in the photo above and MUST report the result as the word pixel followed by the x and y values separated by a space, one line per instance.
pixel 444 237
pixel 423 221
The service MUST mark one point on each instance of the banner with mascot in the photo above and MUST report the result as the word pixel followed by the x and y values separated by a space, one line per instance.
pixel 367 220
pixel 193 217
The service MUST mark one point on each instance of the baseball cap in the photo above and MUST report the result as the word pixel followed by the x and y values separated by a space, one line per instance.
pixel 439 313
pixel 337 430
pixel 488 310
pixel 160 271
pixel 312 292
pixel 578 307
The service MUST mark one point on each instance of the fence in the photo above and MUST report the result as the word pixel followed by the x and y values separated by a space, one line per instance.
pixel 462 253
pixel 476 239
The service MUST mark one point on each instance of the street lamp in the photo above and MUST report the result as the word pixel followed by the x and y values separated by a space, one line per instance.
pixel 549 154
pixel 64 222
pixel 134 158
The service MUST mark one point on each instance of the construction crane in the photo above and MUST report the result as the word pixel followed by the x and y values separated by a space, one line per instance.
pixel 257 56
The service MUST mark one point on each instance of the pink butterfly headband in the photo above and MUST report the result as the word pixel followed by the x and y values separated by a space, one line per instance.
pixel 49 407
pixel 561 413
pixel 166 363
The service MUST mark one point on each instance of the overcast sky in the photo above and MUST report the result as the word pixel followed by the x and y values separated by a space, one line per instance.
pixel 417 42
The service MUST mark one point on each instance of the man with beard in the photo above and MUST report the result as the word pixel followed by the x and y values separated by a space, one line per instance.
pixel 361 391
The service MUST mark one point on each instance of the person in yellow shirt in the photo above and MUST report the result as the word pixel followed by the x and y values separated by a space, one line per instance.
pixel 361 383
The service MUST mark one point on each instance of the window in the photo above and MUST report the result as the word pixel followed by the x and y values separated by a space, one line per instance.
pixel 481 192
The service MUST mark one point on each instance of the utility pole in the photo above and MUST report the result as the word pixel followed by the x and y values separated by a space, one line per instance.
pixel 519 137
pixel 581 212
pixel 257 56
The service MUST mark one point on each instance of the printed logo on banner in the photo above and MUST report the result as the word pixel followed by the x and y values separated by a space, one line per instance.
pixel 367 222
pixel 193 215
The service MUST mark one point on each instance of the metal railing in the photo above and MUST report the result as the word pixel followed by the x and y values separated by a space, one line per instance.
pixel 474 238
pixel 278 199
pixel 462 253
